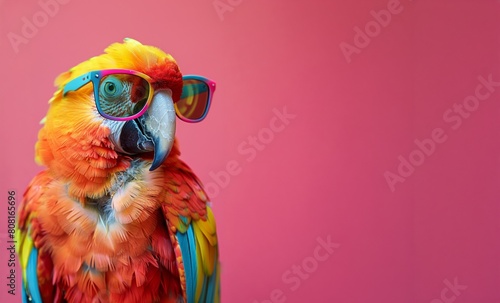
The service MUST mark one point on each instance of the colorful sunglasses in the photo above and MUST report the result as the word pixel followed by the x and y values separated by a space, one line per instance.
pixel 122 94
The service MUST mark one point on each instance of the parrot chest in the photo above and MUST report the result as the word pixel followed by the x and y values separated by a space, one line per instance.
pixel 111 244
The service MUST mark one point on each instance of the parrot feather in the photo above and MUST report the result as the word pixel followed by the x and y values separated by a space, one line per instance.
pixel 32 277
pixel 188 249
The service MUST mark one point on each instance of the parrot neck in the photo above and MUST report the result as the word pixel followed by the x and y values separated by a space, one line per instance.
pixel 98 191
pixel 125 184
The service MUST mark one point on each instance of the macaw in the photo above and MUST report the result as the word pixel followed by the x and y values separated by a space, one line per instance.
pixel 117 216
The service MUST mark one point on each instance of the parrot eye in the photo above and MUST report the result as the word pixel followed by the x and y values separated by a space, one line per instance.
pixel 123 95
pixel 111 87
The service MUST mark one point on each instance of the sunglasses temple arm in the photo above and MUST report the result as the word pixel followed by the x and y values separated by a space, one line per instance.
pixel 75 84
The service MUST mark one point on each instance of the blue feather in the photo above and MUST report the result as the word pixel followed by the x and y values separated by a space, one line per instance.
pixel 203 295
pixel 188 249
pixel 184 220
pixel 32 277
pixel 23 295
pixel 212 281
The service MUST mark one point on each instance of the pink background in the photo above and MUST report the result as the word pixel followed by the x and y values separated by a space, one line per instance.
pixel 322 175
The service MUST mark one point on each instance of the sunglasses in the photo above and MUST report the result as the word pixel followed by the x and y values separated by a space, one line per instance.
pixel 122 94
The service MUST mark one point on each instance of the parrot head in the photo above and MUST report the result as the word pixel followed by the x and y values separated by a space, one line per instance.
pixel 111 109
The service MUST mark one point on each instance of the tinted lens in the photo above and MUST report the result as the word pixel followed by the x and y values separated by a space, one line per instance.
pixel 194 100
pixel 123 95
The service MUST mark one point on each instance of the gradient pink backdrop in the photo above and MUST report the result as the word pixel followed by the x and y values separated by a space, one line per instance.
pixel 323 174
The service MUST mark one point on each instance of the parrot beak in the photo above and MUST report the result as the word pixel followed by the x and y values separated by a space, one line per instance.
pixel 159 123
pixel 153 131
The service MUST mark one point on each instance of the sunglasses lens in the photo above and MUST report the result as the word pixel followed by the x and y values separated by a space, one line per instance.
pixel 194 100
pixel 123 95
